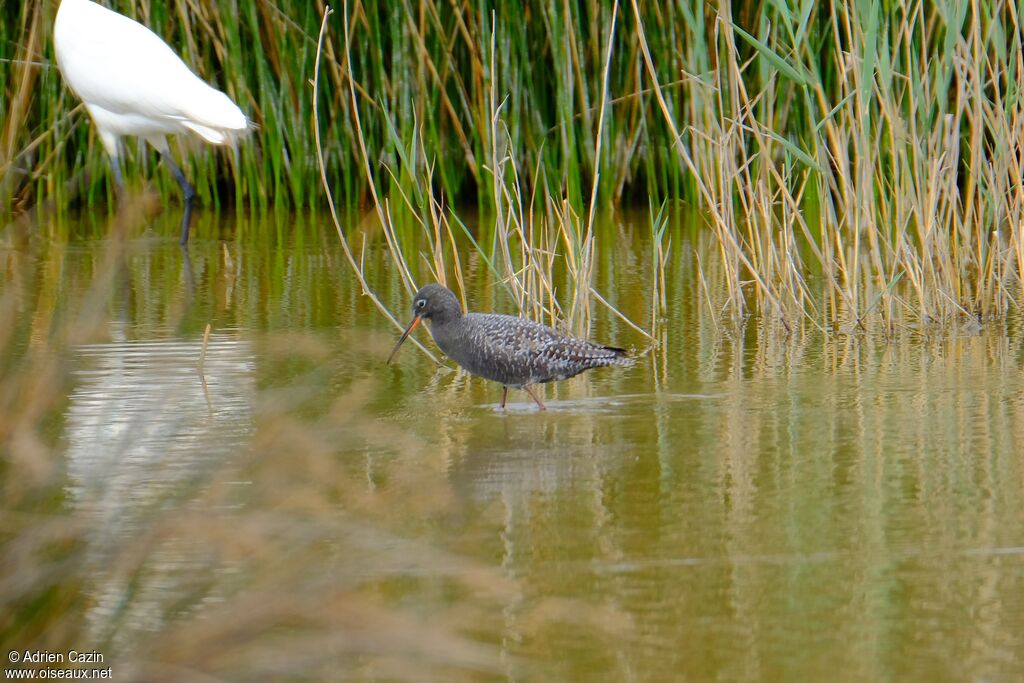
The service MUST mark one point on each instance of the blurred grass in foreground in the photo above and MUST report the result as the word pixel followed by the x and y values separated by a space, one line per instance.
pixel 268 564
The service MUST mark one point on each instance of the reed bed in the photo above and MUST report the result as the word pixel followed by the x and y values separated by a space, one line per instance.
pixel 859 162
pixel 872 172
pixel 536 253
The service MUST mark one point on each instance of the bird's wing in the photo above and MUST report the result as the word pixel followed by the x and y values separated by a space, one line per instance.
pixel 521 346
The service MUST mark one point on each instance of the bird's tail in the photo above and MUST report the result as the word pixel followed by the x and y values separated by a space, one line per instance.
pixel 621 356
pixel 216 119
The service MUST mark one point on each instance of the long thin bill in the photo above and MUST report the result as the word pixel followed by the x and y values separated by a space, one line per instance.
pixel 405 335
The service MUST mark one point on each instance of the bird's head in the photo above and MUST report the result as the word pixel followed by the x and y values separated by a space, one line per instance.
pixel 434 303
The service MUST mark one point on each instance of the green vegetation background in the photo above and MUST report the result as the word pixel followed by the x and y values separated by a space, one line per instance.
pixel 806 132
pixel 425 71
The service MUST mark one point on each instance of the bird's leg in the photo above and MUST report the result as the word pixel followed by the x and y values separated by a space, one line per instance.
pixel 504 395
pixel 124 216
pixel 115 167
pixel 112 144
pixel 535 397
pixel 187 190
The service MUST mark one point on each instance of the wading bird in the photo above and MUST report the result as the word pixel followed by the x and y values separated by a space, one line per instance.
pixel 133 83
pixel 513 351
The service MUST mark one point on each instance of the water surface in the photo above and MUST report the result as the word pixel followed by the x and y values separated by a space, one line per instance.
pixel 743 504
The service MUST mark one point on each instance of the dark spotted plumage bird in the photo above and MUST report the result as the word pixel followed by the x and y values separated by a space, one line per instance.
pixel 513 351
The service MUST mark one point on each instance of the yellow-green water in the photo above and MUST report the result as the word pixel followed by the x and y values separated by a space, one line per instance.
pixel 740 505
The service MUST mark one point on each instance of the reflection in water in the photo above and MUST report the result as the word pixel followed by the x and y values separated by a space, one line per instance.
pixel 144 431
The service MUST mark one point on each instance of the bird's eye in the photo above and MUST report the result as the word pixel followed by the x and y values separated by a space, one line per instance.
pixel 421 303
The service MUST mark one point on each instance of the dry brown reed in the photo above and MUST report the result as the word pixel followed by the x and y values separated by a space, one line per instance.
pixel 544 248
pixel 903 206
pixel 860 165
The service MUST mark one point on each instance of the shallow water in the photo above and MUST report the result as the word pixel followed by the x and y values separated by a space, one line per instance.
pixel 740 505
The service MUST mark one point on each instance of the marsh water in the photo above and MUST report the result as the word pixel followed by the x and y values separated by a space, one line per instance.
pixel 277 503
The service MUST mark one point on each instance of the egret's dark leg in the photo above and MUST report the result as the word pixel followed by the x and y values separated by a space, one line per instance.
pixel 112 144
pixel 122 217
pixel 115 167
pixel 535 397
pixel 504 395
pixel 187 191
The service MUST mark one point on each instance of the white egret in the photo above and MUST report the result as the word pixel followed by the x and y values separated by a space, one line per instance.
pixel 133 83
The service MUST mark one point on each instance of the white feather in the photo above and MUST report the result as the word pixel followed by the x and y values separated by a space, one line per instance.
pixel 133 83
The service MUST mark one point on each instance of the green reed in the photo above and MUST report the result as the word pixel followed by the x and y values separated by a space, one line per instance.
pixel 840 153
pixel 420 68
